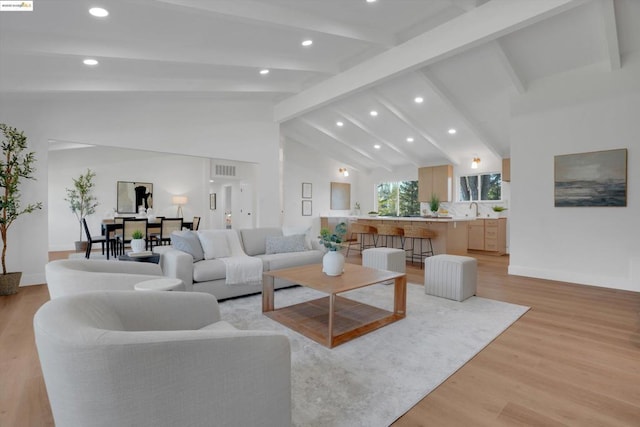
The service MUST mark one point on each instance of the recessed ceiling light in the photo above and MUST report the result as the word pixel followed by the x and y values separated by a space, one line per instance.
pixel 99 12
pixel 418 99
pixel 264 71
pixel 339 124
pixel 89 61
pixel 410 139
pixel 373 113
pixel 211 180
pixel 452 131
pixel 377 146
pixel 307 43
pixel 371 1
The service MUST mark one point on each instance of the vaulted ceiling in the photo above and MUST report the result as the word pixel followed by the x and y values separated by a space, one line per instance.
pixel 464 58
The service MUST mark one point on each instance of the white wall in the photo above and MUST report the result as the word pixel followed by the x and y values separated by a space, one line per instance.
pixel 192 125
pixel 572 114
pixel 303 164
pixel 170 175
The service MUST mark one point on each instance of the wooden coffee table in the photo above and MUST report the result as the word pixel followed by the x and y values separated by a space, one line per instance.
pixel 334 320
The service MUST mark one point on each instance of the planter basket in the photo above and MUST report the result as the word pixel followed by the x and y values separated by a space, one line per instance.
pixel 9 283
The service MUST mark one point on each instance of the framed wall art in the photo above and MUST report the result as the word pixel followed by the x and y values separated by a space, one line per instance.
pixel 212 201
pixel 597 178
pixel 132 195
pixel 306 208
pixel 306 190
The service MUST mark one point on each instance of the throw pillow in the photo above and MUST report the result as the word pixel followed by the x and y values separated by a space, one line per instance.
pixel 214 244
pixel 291 231
pixel 187 241
pixel 283 244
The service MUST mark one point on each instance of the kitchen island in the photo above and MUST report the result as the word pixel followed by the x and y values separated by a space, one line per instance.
pixel 451 233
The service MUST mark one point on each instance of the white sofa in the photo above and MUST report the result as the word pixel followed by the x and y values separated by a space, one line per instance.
pixel 209 275
pixel 114 358
pixel 72 276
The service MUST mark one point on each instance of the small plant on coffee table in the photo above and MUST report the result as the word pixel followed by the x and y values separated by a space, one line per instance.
pixel 333 241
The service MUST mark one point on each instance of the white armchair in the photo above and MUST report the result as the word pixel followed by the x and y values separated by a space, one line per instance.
pixel 71 276
pixel 113 358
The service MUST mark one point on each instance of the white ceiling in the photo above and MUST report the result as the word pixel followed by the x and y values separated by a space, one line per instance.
pixel 466 58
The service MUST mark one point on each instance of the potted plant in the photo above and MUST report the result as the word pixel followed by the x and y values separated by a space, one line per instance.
pixel 82 202
pixel 333 260
pixel 434 204
pixel 15 165
pixel 137 241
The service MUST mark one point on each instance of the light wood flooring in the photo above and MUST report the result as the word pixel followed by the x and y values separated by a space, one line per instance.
pixel 572 360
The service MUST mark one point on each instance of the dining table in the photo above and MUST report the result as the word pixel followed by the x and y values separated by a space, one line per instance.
pixel 153 226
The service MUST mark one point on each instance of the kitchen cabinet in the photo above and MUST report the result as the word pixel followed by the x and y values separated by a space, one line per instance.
pixel 435 180
pixel 476 235
pixel 489 235
pixel 506 170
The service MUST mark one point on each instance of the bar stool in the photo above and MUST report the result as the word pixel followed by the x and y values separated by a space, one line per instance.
pixel 421 234
pixel 358 234
pixel 392 231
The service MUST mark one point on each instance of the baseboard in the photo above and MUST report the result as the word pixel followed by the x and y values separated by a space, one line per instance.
pixel 574 277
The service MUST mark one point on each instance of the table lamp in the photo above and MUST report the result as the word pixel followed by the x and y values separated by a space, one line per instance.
pixel 179 200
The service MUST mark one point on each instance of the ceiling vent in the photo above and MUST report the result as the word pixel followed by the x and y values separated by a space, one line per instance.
pixel 225 170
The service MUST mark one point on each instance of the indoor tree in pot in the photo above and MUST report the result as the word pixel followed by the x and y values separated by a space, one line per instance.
pixel 333 260
pixel 15 165
pixel 82 202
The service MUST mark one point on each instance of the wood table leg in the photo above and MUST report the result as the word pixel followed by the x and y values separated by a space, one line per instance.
pixel 267 293
pixel 400 295
pixel 332 300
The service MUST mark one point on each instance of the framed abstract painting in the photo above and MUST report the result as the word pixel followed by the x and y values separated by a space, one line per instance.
pixel 597 178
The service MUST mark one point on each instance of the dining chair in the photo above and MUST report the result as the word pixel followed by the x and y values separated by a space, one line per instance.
pixel 130 225
pixel 91 240
pixel 167 226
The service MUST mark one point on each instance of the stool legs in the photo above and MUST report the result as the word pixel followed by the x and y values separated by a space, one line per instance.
pixel 422 253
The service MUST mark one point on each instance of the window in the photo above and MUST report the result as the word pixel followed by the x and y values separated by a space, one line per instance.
pixel 398 198
pixel 487 187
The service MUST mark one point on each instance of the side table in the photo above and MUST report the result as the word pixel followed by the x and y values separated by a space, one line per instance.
pixel 162 284
pixel 155 258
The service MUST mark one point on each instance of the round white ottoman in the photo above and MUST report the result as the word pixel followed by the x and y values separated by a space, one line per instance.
pixel 450 276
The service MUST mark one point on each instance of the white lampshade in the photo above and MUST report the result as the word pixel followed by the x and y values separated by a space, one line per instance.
pixel 179 200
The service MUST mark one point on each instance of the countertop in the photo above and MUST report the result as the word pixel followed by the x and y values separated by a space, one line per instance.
pixel 419 218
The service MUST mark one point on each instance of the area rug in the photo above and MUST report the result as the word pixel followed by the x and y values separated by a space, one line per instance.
pixel 376 378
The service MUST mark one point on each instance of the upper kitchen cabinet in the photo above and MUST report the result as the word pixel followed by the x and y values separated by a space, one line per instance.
pixel 506 170
pixel 436 180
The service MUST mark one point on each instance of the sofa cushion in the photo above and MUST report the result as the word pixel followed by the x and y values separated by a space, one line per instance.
pixel 284 244
pixel 187 241
pixel 209 269
pixel 214 243
pixel 254 240
pixel 292 259
pixel 290 231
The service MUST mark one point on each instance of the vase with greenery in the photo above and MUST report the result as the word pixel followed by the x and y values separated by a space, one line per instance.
pixel 333 260
pixel 81 200
pixel 15 165
pixel 137 241
pixel 434 204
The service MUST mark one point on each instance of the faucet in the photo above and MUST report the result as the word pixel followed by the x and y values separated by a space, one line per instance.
pixel 476 204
